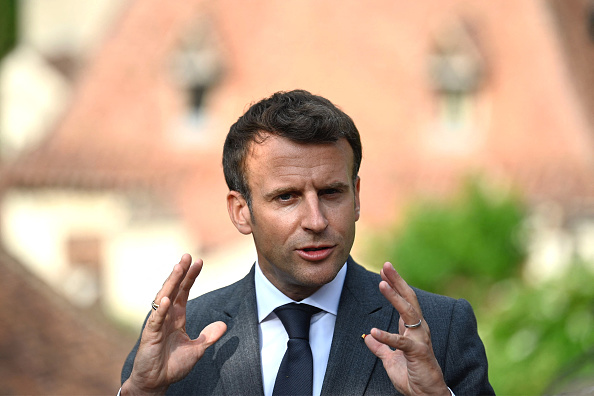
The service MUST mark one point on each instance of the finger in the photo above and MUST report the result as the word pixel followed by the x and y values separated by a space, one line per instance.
pixel 390 340
pixel 407 311
pixel 390 275
pixel 157 318
pixel 185 263
pixel 401 288
pixel 171 285
pixel 188 282
pixel 378 348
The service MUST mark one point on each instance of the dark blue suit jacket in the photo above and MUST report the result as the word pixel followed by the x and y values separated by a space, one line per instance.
pixel 232 365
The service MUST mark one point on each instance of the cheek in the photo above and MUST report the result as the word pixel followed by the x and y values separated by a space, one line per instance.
pixel 274 228
pixel 344 217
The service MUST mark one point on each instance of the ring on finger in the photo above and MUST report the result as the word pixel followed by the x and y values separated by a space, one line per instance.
pixel 413 325
pixel 156 306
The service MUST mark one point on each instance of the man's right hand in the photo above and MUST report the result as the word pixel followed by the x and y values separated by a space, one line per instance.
pixel 166 353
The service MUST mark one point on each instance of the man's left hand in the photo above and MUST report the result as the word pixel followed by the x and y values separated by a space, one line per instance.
pixel 408 356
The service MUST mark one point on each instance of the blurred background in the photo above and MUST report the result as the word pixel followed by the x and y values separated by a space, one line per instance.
pixel 477 122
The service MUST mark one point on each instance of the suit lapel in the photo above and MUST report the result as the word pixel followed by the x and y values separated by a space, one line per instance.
pixel 351 363
pixel 239 348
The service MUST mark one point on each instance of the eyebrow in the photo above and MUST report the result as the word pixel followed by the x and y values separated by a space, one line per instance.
pixel 336 185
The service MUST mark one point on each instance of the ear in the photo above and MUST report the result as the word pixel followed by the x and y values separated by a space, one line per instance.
pixel 239 212
pixel 357 201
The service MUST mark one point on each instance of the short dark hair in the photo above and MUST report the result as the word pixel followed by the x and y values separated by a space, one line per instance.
pixel 296 115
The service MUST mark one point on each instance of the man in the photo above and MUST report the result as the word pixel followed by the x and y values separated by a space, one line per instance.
pixel 291 163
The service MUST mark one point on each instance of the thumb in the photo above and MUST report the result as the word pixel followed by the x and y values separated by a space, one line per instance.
pixel 379 349
pixel 211 334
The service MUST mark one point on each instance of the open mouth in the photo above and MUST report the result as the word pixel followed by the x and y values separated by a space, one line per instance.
pixel 315 249
pixel 315 253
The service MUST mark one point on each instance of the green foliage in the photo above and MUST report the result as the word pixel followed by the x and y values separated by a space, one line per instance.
pixel 445 245
pixel 471 247
pixel 8 26
pixel 532 332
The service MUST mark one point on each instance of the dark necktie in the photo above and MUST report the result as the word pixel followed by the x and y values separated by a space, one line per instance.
pixel 295 375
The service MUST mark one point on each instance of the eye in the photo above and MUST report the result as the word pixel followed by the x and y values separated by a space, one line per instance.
pixel 285 197
pixel 330 191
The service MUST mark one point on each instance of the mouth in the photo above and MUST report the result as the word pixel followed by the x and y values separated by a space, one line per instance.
pixel 315 249
pixel 315 253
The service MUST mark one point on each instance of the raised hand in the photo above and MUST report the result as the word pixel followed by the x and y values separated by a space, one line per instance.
pixel 166 353
pixel 408 356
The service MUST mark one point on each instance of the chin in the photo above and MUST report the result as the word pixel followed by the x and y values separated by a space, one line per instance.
pixel 319 277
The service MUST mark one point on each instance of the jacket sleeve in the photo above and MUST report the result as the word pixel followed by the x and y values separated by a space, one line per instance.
pixel 466 368
pixel 129 363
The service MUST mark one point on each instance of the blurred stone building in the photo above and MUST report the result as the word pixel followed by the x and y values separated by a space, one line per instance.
pixel 114 114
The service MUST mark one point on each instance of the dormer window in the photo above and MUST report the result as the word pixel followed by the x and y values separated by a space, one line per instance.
pixel 456 73
pixel 196 68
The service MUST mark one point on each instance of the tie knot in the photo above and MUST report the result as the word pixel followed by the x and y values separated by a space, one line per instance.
pixel 296 319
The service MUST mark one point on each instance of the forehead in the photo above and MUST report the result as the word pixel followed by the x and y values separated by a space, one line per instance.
pixel 278 157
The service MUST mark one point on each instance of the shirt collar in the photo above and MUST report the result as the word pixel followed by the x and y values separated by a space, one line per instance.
pixel 268 297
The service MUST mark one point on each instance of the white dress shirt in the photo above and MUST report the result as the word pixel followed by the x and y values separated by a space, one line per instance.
pixel 273 336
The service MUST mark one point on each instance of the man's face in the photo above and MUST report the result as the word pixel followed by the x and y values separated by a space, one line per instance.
pixel 304 209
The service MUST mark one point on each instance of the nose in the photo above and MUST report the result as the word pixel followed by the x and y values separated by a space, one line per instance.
pixel 314 219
